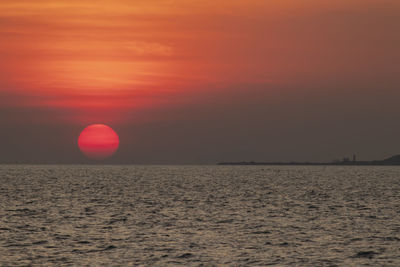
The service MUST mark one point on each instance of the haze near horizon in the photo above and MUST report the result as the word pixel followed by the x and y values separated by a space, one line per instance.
pixel 187 82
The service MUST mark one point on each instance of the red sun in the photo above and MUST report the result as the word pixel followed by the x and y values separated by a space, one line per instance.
pixel 98 141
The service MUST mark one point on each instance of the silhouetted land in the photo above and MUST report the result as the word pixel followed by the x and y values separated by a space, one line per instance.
pixel 395 160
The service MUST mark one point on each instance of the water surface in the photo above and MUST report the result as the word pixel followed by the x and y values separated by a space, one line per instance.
pixel 199 215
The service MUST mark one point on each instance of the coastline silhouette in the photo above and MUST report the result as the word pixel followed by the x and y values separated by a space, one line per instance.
pixel 394 160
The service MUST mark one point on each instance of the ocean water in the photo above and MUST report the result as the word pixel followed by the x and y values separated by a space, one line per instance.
pixel 199 216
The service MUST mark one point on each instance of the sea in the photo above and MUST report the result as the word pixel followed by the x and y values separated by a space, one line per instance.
pixel 82 215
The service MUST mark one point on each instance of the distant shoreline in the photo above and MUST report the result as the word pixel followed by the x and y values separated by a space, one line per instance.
pixel 392 161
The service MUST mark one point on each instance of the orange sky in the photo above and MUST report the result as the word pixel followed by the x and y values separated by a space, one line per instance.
pixel 110 47
pixel 106 60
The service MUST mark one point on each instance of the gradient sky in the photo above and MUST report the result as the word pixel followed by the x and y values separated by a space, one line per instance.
pixel 200 82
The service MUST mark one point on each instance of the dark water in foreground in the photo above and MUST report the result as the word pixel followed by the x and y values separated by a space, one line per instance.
pixel 199 216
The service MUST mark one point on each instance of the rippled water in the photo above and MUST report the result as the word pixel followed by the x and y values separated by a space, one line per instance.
pixel 199 216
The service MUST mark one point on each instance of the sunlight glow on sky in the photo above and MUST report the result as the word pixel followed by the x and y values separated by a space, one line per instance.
pixel 113 46
pixel 124 62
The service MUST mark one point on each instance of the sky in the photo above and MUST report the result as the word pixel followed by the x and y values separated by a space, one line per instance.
pixel 199 82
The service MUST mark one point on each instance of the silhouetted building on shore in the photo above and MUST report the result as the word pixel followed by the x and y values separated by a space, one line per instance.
pixel 394 160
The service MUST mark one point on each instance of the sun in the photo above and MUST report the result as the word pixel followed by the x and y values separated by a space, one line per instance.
pixel 98 141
